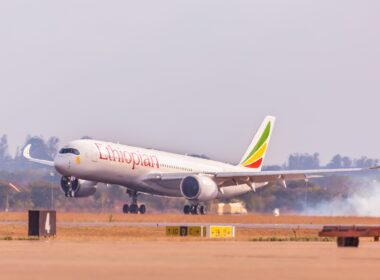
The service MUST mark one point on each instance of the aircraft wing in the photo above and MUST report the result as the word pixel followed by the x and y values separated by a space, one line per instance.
pixel 26 154
pixel 272 176
pixel 262 176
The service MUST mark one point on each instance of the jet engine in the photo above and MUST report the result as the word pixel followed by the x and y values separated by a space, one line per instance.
pixel 199 187
pixel 73 187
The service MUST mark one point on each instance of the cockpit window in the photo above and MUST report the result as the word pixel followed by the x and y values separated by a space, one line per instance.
pixel 69 151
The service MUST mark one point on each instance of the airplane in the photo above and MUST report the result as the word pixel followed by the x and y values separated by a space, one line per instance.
pixel 86 163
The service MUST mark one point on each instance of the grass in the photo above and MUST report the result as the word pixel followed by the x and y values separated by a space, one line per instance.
pixel 10 238
pixel 291 239
pixel 180 218
pixel 19 231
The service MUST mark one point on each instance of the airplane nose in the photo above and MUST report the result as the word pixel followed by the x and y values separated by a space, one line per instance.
pixel 61 165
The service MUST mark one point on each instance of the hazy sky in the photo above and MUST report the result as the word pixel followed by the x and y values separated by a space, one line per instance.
pixel 194 76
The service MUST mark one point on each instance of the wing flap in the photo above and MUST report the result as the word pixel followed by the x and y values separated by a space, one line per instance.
pixel 268 176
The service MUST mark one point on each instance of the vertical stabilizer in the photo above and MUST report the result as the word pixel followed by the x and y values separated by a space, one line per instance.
pixel 255 155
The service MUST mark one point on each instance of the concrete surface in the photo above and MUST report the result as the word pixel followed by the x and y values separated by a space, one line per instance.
pixel 186 260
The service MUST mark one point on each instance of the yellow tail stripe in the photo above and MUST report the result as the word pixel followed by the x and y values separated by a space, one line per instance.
pixel 257 155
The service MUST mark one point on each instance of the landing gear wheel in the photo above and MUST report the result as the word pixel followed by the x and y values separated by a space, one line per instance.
pixel 195 209
pixel 198 209
pixel 203 210
pixel 187 209
pixel 126 209
pixel 134 209
pixel 142 209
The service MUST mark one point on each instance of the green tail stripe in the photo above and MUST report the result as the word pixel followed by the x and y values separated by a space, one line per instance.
pixel 262 140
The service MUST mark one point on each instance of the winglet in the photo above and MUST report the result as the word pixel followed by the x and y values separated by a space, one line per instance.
pixel 26 154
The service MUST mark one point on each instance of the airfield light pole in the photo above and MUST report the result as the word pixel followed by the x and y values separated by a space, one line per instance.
pixel 51 191
pixel 306 192
pixel 6 200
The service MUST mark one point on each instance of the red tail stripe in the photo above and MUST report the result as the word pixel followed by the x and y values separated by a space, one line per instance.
pixel 256 164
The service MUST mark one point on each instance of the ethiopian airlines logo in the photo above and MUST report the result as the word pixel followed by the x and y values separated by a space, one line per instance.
pixel 256 156
pixel 134 159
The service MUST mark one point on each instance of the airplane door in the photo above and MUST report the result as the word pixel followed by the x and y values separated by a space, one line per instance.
pixel 69 163
pixel 94 155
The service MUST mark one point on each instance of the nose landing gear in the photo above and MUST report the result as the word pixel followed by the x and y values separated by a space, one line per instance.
pixel 69 186
pixel 195 209
pixel 134 208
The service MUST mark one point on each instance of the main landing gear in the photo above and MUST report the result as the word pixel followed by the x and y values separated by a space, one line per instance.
pixel 134 208
pixel 195 209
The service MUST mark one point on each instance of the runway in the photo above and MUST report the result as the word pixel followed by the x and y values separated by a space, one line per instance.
pixel 145 260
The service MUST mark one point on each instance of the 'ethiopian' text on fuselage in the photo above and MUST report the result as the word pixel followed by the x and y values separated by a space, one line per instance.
pixel 132 158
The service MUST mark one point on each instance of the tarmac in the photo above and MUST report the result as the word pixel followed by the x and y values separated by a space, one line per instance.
pixel 228 260
pixel 90 246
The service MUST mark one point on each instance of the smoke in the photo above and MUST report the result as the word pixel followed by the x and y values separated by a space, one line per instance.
pixel 364 200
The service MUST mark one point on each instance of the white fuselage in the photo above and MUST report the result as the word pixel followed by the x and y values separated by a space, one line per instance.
pixel 127 166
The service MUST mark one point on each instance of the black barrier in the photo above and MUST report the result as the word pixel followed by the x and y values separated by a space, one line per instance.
pixel 42 223
pixel 183 231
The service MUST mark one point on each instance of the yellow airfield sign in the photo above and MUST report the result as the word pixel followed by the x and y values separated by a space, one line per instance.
pixel 221 232
pixel 193 231
pixel 209 231
pixel 172 231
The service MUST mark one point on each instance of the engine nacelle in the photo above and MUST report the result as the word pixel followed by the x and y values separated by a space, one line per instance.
pixel 199 187
pixel 73 187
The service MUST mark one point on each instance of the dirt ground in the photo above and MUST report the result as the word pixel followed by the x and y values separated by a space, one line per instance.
pixel 122 233
pixel 13 226
pixel 117 251
pixel 186 260
pixel 173 218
